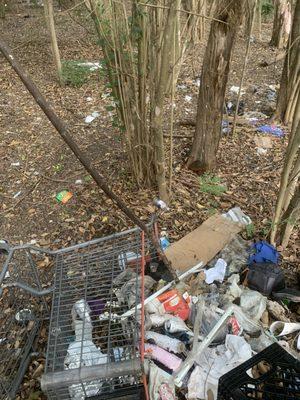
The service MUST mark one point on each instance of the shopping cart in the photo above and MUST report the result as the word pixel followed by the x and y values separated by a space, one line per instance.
pixel 93 351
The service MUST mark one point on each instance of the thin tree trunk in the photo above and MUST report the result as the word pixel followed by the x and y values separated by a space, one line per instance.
pixel 287 172
pixel 290 78
pixel 244 67
pixel 214 78
pixel 249 15
pixel 49 15
pixel 157 112
pixel 258 18
pixel 290 218
pixel 280 32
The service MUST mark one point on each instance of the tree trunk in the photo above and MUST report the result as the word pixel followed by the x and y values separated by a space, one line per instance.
pixel 213 84
pixel 290 218
pixel 249 15
pixel 280 30
pixel 158 101
pixel 48 7
pixel 290 78
pixel 258 18
pixel 289 173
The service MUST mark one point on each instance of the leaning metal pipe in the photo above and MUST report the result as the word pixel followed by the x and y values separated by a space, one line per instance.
pixel 61 379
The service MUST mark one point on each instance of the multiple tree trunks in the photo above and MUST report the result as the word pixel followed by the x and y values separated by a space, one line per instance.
pixel 214 78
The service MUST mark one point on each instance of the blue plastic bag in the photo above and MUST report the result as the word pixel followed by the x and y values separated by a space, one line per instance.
pixel 272 129
pixel 264 252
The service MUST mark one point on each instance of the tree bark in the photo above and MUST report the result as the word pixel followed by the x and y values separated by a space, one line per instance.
pixel 288 174
pixel 290 78
pixel 49 15
pixel 279 33
pixel 258 18
pixel 290 218
pixel 214 78
pixel 158 104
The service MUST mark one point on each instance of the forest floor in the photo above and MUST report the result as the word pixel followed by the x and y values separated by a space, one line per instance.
pixel 36 164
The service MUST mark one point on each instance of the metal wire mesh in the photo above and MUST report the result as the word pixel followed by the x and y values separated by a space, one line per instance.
pixel 21 314
pixel 92 350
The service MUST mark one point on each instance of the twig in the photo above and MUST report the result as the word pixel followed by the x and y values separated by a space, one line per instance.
pixel 183 11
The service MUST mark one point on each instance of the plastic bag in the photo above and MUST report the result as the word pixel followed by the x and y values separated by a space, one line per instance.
pixel 253 304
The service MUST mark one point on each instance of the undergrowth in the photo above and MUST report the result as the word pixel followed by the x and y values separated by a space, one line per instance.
pixel 74 74
pixel 212 185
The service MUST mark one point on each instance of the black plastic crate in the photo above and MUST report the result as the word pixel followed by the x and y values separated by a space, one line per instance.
pixel 281 382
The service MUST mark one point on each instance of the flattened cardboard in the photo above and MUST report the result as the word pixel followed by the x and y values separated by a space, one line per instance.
pixel 203 243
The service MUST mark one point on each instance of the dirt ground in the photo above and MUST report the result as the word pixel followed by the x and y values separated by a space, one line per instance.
pixel 36 164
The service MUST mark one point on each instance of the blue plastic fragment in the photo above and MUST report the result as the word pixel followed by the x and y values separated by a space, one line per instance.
pixel 272 129
pixel 264 252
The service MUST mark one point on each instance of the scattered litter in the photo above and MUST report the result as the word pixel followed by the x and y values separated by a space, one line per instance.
pixel 279 328
pixel 237 215
pixel 261 151
pixel 263 252
pixel 225 127
pixel 164 242
pixel 166 342
pixel 253 304
pixel 172 302
pixel 169 360
pixel 188 98
pixel 215 362
pixel 93 66
pixel 181 87
pixel 161 385
pixel 17 194
pixel 160 204
pixel 64 196
pixel 78 182
pixel 202 244
pixel 91 117
pixel 272 129
pixel 197 82
pixel 23 316
pixel 15 164
pixel 89 99
pixel 217 273
pixel 235 90
pixel 265 277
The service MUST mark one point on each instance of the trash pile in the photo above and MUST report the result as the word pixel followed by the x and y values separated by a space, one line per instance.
pixel 230 303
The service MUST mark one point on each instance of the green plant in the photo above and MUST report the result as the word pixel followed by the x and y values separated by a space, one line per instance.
pixel 74 73
pixel 58 167
pixel 212 185
pixel 267 8
pixel 250 231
